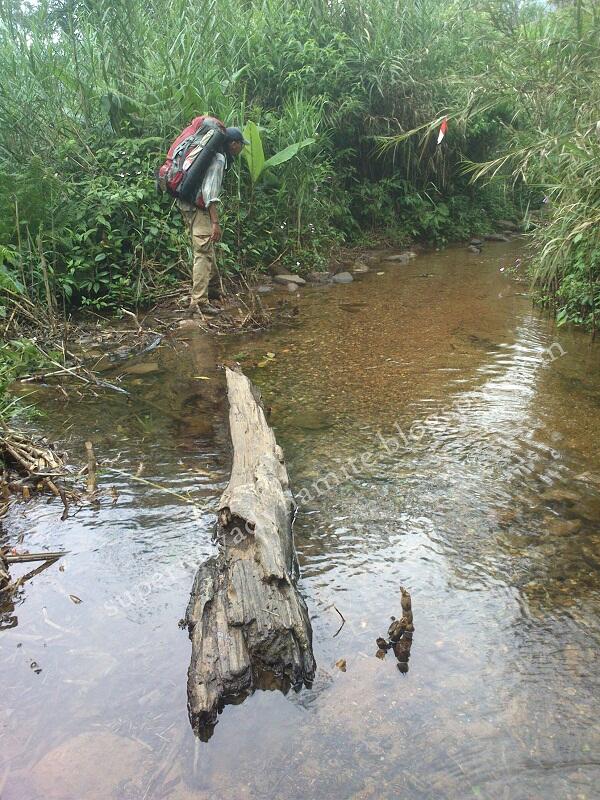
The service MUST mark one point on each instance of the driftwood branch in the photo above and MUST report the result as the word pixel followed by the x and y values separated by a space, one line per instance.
pixel 91 467
pixel 248 624
pixel 4 574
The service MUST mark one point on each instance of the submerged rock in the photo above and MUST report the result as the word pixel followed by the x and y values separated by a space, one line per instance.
pixel 562 527
pixel 496 237
pixel 589 478
pixel 319 277
pixel 342 277
pixel 399 258
pixel 141 369
pixel 77 768
pixel 560 496
pixel 473 248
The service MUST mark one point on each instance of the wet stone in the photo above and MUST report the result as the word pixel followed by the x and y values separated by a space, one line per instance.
pixel 399 258
pixel 342 277
pixel 562 527
pixel 560 496
pixel 142 369
pixel 496 237
pixel 286 278
pixel 319 277
pixel 589 478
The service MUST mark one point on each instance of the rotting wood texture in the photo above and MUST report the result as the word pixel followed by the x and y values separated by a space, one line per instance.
pixel 248 624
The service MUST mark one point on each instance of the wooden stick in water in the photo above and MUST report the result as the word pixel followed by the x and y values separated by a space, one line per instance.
pixel 91 468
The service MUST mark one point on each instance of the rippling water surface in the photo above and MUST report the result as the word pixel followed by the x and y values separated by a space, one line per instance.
pixel 440 434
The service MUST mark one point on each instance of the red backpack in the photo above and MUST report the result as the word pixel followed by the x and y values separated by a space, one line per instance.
pixel 189 157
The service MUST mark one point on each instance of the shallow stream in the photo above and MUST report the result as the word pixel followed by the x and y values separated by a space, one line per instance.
pixel 440 434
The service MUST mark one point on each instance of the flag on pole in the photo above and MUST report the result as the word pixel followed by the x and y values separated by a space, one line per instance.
pixel 443 129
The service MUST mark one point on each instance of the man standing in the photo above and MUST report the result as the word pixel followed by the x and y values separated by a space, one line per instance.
pixel 202 221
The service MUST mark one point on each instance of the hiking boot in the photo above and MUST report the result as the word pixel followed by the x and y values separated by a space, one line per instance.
pixel 208 310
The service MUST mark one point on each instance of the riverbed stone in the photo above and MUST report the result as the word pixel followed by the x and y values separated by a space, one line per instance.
pixel 399 258
pixel 319 277
pixel 476 242
pixel 496 237
pixel 263 288
pixel 474 249
pixel 359 267
pixel 77 768
pixel 142 369
pixel 589 478
pixel 342 277
pixel 559 495
pixel 562 527
pixel 292 287
pixel 287 277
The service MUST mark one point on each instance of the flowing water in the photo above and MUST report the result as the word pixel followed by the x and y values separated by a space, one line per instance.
pixel 440 434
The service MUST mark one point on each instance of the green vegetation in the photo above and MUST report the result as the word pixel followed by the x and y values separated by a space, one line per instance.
pixel 93 91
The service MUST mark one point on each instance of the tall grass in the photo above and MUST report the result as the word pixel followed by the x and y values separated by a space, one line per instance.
pixel 546 72
pixel 91 94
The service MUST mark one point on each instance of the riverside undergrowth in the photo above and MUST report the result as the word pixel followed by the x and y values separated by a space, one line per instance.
pixel 92 93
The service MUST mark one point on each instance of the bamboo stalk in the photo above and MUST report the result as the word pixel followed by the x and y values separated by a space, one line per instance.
pixel 24 558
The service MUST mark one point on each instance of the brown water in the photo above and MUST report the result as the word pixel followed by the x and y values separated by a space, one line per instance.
pixel 440 434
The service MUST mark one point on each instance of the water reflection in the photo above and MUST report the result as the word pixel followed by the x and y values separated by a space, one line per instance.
pixel 490 517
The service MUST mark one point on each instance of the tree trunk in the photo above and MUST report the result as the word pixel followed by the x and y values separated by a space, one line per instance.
pixel 248 624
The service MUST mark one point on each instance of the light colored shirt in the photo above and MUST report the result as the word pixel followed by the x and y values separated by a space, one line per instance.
pixel 213 180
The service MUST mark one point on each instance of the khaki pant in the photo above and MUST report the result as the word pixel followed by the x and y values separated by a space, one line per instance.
pixel 198 224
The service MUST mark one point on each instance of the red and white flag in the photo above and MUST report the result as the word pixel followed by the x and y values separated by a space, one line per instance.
pixel 443 129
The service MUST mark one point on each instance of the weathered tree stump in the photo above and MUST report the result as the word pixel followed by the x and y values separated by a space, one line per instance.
pixel 248 624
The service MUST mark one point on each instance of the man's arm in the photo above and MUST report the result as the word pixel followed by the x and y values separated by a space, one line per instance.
pixel 216 231
pixel 211 190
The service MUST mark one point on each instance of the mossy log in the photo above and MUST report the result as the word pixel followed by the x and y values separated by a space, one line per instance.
pixel 248 624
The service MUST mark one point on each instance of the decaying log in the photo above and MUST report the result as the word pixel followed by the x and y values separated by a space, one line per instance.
pixel 248 624
pixel 4 574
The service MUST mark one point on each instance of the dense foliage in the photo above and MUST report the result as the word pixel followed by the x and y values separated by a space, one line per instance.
pixel 92 92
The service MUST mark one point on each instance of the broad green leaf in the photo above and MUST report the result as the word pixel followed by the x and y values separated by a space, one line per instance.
pixel 253 152
pixel 287 153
